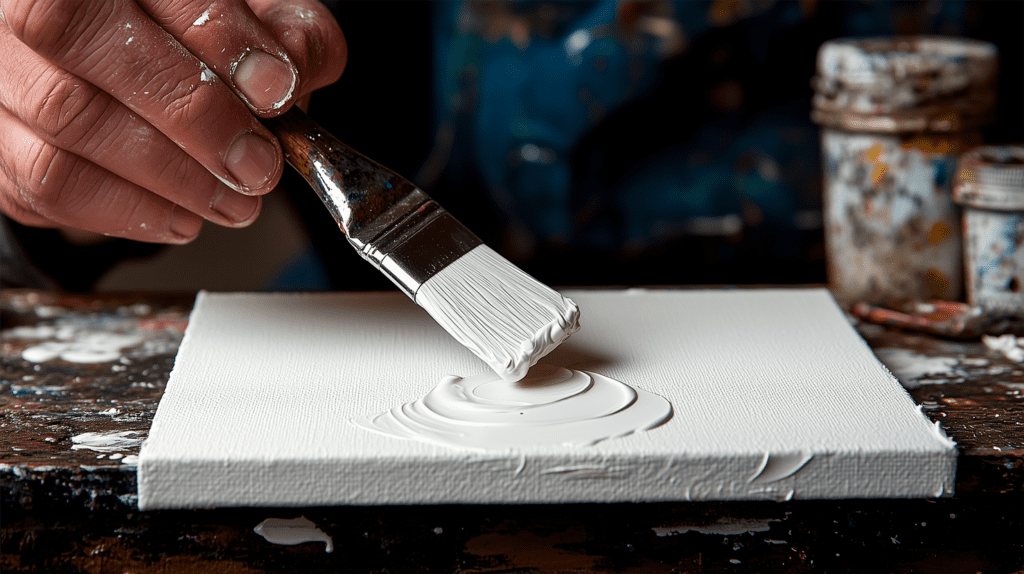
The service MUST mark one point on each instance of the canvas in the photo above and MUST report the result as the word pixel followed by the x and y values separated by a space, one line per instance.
pixel 773 396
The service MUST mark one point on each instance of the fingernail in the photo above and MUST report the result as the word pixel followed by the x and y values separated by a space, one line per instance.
pixel 252 160
pixel 185 225
pixel 266 81
pixel 234 206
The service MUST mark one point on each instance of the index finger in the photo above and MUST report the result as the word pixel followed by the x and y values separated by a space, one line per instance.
pixel 116 46
pixel 234 43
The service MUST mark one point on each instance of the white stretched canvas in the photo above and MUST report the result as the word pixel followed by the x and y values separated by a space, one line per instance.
pixel 774 396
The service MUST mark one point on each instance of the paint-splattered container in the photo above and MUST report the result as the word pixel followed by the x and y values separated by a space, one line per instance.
pixel 896 113
pixel 990 186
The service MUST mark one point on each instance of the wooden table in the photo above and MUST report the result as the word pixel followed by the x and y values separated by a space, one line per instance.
pixel 68 509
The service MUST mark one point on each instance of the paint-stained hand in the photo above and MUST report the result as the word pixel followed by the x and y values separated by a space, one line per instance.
pixel 138 119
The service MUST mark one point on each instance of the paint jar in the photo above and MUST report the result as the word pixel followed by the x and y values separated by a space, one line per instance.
pixel 895 115
pixel 990 186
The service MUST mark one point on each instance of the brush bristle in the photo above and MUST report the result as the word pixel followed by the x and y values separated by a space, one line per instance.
pixel 507 318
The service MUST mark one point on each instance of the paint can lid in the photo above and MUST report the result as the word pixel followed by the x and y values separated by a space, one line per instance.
pixel 991 177
pixel 905 84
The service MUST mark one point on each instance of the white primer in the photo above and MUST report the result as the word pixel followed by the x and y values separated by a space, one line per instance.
pixel 507 318
pixel 265 387
pixel 292 531
pixel 551 405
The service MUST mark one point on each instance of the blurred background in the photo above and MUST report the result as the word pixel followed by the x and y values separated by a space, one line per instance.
pixel 593 142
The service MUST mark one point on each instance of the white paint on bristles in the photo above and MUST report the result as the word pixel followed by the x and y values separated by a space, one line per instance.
pixel 507 318
pixel 265 387
pixel 292 531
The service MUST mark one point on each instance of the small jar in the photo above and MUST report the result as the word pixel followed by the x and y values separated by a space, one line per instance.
pixel 990 187
pixel 896 113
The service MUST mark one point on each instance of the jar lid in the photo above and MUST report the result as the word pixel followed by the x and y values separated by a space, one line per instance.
pixel 905 83
pixel 991 177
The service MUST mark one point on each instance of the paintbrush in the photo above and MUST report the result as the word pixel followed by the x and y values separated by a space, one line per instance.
pixel 500 313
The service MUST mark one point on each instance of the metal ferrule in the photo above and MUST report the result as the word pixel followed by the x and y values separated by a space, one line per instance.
pixel 393 224
pixel 421 245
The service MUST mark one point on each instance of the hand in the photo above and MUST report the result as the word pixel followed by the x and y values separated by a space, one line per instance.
pixel 135 118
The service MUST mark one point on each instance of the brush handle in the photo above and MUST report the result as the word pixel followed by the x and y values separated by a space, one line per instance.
pixel 358 191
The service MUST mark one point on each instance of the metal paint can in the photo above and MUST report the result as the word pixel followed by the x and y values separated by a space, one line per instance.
pixel 896 113
pixel 990 186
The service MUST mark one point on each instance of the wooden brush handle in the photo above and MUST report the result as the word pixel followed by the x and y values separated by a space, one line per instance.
pixel 355 189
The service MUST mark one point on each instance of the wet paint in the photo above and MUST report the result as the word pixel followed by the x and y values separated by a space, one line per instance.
pixel 989 185
pixel 896 113
pixel 552 405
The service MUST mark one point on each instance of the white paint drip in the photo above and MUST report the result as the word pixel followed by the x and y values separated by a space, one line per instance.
pixel 203 18
pixel 911 368
pixel 228 183
pixel 551 405
pixel 106 442
pixel 507 318
pixel 776 467
pixel 292 531
pixel 86 347
pixel 724 527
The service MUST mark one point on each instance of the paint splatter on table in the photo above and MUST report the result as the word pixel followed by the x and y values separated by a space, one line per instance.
pixel 69 432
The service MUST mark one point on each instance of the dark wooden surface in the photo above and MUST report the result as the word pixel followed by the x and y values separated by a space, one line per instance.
pixel 74 510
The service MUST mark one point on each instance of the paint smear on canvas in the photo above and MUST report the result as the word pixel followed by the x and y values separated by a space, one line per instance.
pixel 551 405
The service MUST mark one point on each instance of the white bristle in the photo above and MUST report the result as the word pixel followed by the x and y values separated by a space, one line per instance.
pixel 507 318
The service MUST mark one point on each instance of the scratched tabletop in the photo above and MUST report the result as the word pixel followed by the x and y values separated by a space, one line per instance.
pixel 81 377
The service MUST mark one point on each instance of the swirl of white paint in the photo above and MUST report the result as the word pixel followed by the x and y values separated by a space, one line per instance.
pixel 551 405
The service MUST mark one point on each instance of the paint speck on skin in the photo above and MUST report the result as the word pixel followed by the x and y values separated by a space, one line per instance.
pixel 203 18
pixel 205 74
pixel 292 531
pixel 85 347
